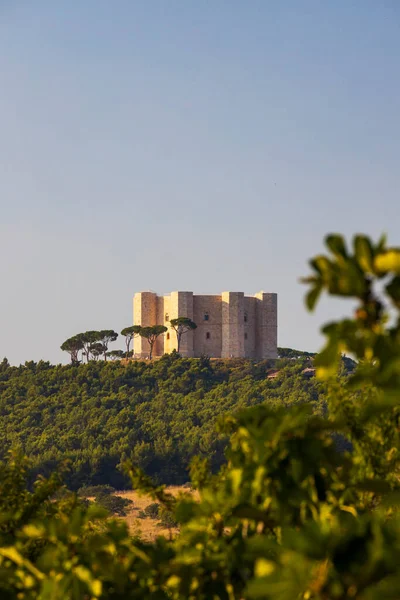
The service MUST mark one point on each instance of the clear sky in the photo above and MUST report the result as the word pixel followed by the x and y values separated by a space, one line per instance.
pixel 179 144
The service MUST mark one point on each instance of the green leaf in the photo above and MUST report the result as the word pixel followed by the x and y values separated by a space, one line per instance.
pixel 313 295
pixel 12 554
pixel 264 567
pixel 321 264
pixel 381 245
pixel 34 530
pixel 94 585
pixel 336 245
pixel 364 253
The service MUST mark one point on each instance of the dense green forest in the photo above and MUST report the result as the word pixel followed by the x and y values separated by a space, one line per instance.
pixel 159 414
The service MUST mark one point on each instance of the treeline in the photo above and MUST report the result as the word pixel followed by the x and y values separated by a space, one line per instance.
pixel 93 344
pixel 159 414
pixel 292 353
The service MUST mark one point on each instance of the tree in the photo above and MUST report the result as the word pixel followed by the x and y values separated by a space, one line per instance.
pixel 116 505
pixel 151 334
pixel 182 325
pixel 129 333
pixel 116 354
pixel 106 336
pixel 73 346
pixel 291 353
pixel 88 339
pixel 4 365
pixel 97 349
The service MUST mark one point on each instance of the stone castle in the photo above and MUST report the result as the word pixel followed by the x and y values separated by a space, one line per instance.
pixel 231 325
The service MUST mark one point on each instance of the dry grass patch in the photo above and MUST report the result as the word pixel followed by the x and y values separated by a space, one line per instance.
pixel 149 528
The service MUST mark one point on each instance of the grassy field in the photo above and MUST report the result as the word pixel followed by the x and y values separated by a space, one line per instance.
pixel 148 528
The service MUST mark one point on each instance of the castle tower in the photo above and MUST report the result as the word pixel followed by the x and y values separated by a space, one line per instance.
pixel 145 314
pixel 267 325
pixel 181 305
pixel 232 324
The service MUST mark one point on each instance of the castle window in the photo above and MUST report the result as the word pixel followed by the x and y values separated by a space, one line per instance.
pixel 206 317
pixel 245 317
pixel 245 336
pixel 167 336
pixel 166 316
pixel 208 335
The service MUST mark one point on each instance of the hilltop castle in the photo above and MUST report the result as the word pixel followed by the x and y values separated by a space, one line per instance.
pixel 228 326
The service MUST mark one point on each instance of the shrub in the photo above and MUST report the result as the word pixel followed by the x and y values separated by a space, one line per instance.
pixel 152 510
pixel 93 490
pixel 167 519
pixel 116 505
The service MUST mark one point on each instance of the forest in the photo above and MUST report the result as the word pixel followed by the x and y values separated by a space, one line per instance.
pixel 92 417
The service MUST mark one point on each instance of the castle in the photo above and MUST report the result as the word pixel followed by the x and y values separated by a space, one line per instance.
pixel 230 325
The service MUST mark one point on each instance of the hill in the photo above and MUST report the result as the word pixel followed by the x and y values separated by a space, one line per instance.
pixel 160 414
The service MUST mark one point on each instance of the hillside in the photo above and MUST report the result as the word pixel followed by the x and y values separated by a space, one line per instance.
pixel 160 414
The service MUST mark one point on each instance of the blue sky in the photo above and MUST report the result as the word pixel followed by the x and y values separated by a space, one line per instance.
pixel 206 146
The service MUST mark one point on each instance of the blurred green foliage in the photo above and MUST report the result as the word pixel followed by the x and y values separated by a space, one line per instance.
pixel 289 516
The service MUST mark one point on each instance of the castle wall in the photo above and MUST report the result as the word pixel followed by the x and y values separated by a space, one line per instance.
pixel 250 326
pixel 164 318
pixel 207 314
pixel 232 324
pixel 229 325
pixel 159 347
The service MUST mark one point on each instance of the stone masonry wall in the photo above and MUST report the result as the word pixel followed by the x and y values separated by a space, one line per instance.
pixel 181 305
pixel 232 324
pixel 169 337
pixel 267 325
pixel 250 327
pixel 228 325
pixel 207 314
pixel 145 314
pixel 159 349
